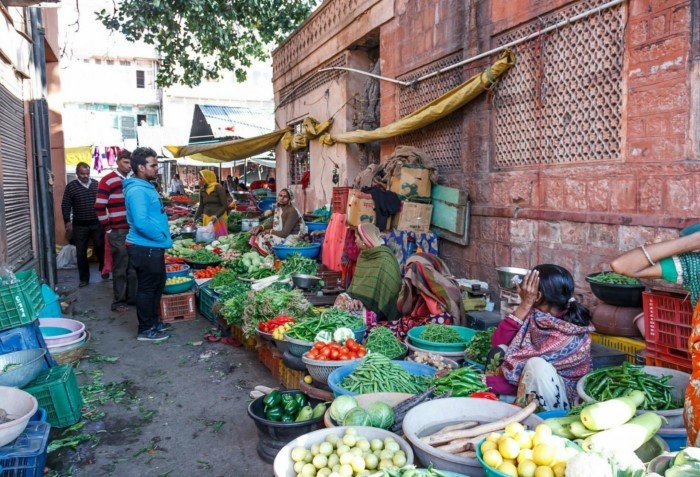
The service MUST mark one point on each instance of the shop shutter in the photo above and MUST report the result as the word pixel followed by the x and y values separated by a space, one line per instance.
pixel 15 177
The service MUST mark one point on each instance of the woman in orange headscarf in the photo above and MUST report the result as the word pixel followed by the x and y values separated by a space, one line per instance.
pixel 213 200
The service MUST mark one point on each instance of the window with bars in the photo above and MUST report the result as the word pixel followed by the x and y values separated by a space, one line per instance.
pixel 299 161
pixel 140 79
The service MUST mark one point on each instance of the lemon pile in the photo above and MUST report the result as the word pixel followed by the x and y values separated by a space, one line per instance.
pixel 177 280
pixel 522 453
pixel 279 332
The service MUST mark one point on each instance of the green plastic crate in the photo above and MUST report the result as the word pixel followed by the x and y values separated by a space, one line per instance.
pixel 58 393
pixel 207 300
pixel 20 303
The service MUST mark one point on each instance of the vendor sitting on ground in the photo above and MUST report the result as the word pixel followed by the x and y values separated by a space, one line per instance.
pixel 376 282
pixel 213 200
pixel 676 261
pixel 546 340
pixel 286 220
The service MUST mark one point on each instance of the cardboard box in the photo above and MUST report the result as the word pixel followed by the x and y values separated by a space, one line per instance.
pixel 360 208
pixel 412 183
pixel 414 217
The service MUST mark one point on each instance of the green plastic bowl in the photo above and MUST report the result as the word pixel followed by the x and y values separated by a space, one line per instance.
pixel 178 287
pixel 491 472
pixel 466 333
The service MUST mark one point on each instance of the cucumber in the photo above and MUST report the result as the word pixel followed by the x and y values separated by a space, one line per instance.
pixel 627 437
pixel 612 413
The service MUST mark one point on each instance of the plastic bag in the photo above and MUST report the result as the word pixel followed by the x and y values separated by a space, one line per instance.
pixel 67 257
pixel 220 228
pixel 205 234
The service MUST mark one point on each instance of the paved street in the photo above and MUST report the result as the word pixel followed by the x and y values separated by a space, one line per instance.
pixel 183 406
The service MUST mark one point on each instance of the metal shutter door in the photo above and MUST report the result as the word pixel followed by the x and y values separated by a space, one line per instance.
pixel 15 178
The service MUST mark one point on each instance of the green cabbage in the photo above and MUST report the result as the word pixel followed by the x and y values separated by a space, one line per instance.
pixel 357 417
pixel 341 406
pixel 381 415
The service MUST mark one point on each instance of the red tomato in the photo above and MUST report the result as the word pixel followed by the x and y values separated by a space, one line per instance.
pixel 361 352
pixel 326 352
pixel 335 354
pixel 319 345
pixel 351 344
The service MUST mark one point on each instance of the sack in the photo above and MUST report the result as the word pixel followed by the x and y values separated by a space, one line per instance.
pixel 205 234
pixel 220 228
pixel 67 257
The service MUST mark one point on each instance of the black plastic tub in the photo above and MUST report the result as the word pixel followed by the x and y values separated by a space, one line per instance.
pixel 616 295
pixel 272 435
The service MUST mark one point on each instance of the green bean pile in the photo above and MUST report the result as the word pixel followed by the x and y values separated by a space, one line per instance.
pixel 440 334
pixel 611 278
pixel 617 381
pixel 377 374
pixel 382 340
pixel 331 320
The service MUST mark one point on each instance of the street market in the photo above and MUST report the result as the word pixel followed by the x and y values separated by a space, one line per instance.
pixel 423 239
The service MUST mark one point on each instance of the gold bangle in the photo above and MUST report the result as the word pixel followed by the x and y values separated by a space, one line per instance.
pixel 646 254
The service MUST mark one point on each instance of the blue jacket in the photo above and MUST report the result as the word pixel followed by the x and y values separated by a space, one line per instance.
pixel 148 224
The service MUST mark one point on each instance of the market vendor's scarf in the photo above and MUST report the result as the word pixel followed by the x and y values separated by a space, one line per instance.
pixel 377 282
pixel 564 345
pixel 210 178
pixel 369 233
pixel 429 289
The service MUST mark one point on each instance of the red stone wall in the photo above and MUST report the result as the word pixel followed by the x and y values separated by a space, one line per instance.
pixel 579 216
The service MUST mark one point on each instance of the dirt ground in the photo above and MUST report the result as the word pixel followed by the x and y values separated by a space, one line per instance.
pixel 173 409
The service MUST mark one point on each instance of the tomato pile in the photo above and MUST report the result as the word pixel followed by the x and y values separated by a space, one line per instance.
pixel 173 259
pixel 182 199
pixel 337 352
pixel 174 268
pixel 271 325
pixel 208 272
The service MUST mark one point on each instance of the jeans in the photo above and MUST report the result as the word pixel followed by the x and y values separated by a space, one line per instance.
pixel 149 264
pixel 82 235
pixel 123 274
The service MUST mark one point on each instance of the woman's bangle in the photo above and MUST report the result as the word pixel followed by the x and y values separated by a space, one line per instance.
pixel 514 318
pixel 646 254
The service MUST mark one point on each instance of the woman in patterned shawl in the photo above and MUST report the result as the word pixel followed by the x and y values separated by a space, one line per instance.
pixel 676 261
pixel 546 339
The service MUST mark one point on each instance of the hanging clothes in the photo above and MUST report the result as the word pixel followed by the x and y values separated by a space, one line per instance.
pixel 334 242
pixel 97 159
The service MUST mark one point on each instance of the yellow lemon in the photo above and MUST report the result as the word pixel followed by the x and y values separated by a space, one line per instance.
pixel 508 469
pixel 493 437
pixel 543 455
pixel 523 439
pixel 526 468
pixel 493 458
pixel 544 471
pixel 525 454
pixel 513 429
pixel 543 430
pixel 559 469
pixel 487 446
pixel 509 448
pixel 509 461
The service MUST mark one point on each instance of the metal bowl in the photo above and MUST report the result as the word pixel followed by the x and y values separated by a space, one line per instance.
pixel 507 276
pixel 29 361
pixel 305 281
pixel 188 229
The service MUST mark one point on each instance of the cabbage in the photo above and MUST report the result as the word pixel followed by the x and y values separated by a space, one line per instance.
pixel 357 417
pixel 342 334
pixel 341 406
pixel 380 415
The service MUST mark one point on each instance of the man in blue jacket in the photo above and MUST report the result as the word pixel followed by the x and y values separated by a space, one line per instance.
pixel 147 240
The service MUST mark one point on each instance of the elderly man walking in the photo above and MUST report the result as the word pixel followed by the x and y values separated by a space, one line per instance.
pixel 78 209
pixel 111 212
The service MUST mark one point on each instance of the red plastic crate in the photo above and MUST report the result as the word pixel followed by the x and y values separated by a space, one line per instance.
pixel 179 307
pixel 339 203
pixel 667 323
pixel 655 357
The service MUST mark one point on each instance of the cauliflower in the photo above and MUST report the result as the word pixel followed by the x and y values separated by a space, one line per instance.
pixel 587 465
pixel 609 464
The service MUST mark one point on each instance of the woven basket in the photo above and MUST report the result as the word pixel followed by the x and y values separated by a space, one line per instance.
pixel 320 370
pixel 73 355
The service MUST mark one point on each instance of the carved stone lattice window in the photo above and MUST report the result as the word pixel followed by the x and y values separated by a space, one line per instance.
pixel 311 81
pixel 440 140
pixel 299 161
pixel 562 101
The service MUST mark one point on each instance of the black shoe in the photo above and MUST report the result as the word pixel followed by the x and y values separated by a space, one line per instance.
pixel 163 327
pixel 152 335
pixel 83 284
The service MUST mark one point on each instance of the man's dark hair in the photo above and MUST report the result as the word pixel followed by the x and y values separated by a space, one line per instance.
pixel 81 165
pixel 124 154
pixel 271 180
pixel 139 156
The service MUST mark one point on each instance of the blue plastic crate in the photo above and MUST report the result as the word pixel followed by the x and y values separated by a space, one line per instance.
pixel 39 416
pixel 26 455
pixel 25 337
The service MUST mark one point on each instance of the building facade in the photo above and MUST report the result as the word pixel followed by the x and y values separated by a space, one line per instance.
pixel 589 146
